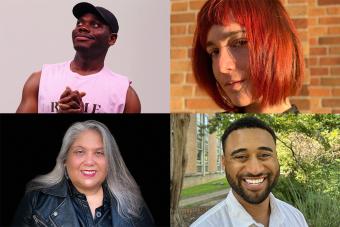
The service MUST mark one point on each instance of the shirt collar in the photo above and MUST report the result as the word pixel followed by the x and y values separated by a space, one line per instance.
pixel 240 217
pixel 75 193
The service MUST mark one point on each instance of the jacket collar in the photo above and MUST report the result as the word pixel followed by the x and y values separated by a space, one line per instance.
pixel 59 190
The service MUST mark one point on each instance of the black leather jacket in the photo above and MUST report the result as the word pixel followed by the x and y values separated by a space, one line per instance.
pixel 53 207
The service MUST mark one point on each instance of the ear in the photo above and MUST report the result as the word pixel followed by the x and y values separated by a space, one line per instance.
pixel 112 39
pixel 223 160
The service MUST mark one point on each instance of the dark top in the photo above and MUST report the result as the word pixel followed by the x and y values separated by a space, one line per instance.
pixel 56 207
pixel 102 214
pixel 292 110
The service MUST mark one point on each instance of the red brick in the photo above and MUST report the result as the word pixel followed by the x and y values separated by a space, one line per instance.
pixel 330 102
pixel 329 20
pixel 318 71
pixel 317 91
pixel 335 71
pixel 333 10
pixel 317 51
pixel 180 90
pixel 316 31
pixel 300 23
pixel 335 111
pixel 181 41
pixel 190 79
pixel 334 50
pixel 179 6
pixel 330 81
pixel 330 61
pixel 315 81
pixel 297 10
pixel 180 66
pixel 329 40
pixel 177 78
pixel 296 1
pixel 328 2
pixel 202 104
pixel 176 104
pixel 196 5
pixel 178 30
pixel 178 53
pixel 316 11
pixel 183 17
pixel 336 91
pixel 334 30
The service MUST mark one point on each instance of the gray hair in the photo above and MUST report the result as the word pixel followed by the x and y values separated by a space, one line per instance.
pixel 119 180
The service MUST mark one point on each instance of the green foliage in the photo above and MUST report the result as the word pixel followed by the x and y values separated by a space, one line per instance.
pixel 202 189
pixel 319 209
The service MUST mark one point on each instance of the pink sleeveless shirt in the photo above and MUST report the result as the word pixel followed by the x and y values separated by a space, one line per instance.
pixel 105 90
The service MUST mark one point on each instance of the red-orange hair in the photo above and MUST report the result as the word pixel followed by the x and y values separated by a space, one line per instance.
pixel 275 55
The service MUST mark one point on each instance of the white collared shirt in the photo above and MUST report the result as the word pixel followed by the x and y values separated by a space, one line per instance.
pixel 230 213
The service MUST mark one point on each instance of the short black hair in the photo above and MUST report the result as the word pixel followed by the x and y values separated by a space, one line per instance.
pixel 246 122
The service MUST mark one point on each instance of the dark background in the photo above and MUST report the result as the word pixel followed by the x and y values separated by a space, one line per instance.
pixel 29 145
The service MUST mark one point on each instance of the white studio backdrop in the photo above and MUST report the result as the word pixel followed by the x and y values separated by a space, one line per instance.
pixel 37 32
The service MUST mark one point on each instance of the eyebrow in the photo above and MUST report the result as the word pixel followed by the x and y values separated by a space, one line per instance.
pixel 224 36
pixel 234 152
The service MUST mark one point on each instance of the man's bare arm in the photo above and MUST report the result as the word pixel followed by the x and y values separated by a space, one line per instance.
pixel 29 99
pixel 132 103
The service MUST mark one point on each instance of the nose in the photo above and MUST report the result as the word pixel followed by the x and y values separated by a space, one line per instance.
pixel 226 61
pixel 83 28
pixel 89 159
pixel 254 166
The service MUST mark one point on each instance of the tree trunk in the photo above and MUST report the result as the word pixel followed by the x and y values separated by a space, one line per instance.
pixel 178 161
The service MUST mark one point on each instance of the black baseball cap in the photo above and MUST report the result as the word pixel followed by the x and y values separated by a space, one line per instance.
pixel 84 7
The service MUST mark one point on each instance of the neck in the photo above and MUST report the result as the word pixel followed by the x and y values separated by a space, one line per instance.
pixel 85 65
pixel 259 212
pixel 279 108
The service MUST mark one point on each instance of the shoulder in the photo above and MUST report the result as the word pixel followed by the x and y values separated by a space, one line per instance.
pixel 291 213
pixel 132 102
pixel 33 79
pixel 216 216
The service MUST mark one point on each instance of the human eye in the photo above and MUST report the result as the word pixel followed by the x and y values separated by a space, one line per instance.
pixel 264 155
pixel 99 153
pixel 213 52
pixel 240 157
pixel 239 43
pixel 78 151
pixel 96 24
pixel 79 23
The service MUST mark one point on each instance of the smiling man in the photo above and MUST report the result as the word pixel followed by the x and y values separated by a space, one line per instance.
pixel 83 85
pixel 252 170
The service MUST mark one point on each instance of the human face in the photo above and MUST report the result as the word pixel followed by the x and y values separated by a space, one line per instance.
pixel 251 164
pixel 228 49
pixel 91 33
pixel 86 163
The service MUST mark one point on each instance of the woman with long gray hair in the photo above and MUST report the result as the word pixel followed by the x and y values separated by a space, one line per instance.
pixel 89 186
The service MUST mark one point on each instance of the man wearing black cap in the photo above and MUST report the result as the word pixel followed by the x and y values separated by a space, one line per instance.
pixel 83 85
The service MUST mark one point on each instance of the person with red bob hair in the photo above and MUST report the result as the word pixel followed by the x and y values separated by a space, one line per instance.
pixel 247 55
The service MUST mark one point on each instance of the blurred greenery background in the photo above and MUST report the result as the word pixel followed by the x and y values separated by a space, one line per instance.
pixel 308 148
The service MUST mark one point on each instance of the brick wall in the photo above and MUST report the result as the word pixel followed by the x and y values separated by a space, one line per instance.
pixel 318 24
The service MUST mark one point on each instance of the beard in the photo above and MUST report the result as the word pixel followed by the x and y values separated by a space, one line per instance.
pixel 253 197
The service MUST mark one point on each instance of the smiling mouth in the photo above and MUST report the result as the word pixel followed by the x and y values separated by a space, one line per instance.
pixel 89 173
pixel 254 181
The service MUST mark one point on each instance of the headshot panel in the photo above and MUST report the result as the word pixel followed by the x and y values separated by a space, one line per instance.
pixel 255 56
pixel 100 171
pixel 132 59
pixel 254 170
